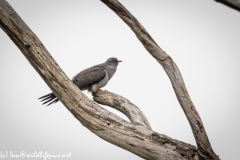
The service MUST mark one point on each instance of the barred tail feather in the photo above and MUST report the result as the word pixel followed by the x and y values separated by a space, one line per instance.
pixel 49 98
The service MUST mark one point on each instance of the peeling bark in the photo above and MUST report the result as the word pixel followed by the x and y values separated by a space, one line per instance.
pixel 137 136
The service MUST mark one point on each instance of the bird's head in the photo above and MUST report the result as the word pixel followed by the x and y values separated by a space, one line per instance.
pixel 113 60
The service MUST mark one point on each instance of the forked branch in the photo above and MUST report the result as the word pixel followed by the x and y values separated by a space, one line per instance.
pixel 122 104
pixel 138 139
pixel 204 147
pixel 134 138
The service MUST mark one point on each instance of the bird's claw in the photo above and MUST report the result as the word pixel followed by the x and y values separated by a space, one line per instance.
pixel 98 91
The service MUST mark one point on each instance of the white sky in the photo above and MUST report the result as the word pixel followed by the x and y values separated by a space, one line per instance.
pixel 202 37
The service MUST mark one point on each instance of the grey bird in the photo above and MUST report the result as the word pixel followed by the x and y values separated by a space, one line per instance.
pixel 91 79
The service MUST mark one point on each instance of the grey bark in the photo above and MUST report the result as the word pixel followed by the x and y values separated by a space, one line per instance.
pixel 134 114
pixel 234 4
pixel 137 136
pixel 204 147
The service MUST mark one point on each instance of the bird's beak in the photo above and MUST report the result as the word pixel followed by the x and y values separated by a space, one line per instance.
pixel 118 61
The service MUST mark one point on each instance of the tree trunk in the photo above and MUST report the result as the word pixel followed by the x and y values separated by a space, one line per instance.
pixel 137 136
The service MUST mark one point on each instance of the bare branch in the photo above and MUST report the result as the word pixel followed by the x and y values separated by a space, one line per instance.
pixel 234 4
pixel 204 146
pixel 122 104
pixel 134 138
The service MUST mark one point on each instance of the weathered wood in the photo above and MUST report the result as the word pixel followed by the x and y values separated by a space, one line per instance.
pixel 135 115
pixel 134 138
pixel 204 147
pixel 234 4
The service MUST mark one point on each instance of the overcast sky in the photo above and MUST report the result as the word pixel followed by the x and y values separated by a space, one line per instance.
pixel 201 36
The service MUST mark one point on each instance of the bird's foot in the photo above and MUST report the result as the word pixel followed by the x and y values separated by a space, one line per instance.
pixel 98 91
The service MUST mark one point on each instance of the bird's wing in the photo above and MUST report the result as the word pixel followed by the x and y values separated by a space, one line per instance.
pixel 88 77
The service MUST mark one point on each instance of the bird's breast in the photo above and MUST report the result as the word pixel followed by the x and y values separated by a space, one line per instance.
pixel 111 70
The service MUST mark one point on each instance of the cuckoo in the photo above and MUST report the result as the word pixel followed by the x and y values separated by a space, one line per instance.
pixel 91 79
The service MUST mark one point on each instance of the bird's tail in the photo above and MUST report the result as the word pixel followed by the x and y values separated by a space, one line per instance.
pixel 49 98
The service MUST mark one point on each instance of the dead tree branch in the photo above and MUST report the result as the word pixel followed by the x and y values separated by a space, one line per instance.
pixel 234 4
pixel 204 147
pixel 138 139
pixel 120 103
